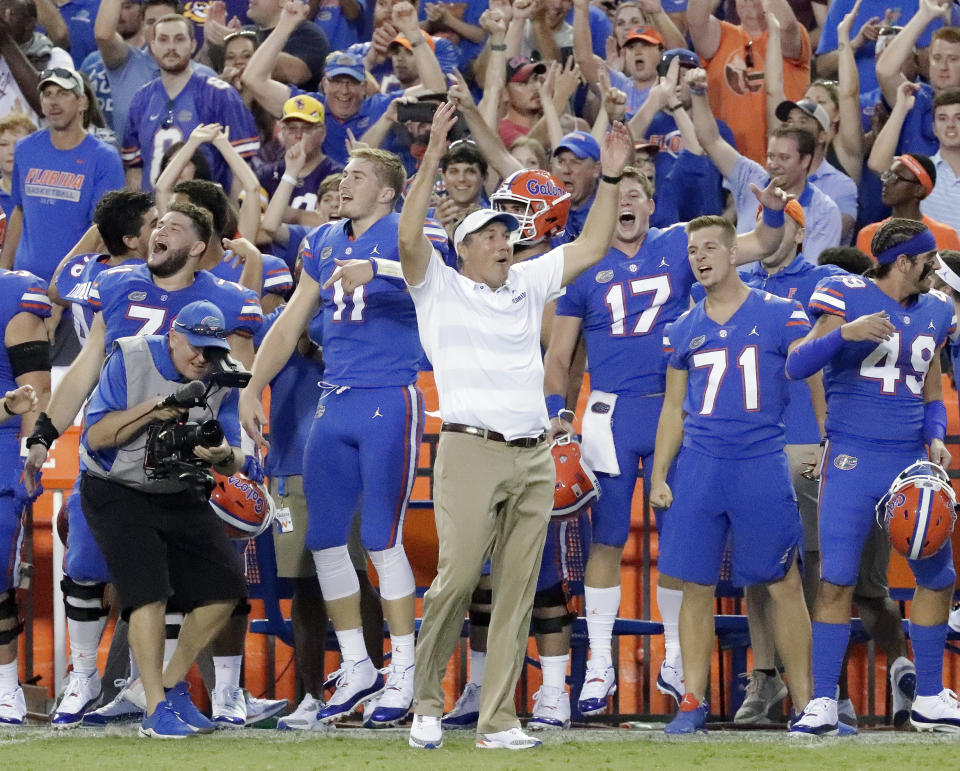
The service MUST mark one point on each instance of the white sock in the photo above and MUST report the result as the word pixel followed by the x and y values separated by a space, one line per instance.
pixel 669 600
pixel 226 670
pixel 352 646
pixel 402 645
pixel 601 606
pixel 134 669
pixel 8 677
pixel 84 641
pixel 478 662
pixel 554 670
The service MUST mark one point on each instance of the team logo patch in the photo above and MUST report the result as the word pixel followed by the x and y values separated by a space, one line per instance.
pixel 604 276
pixel 845 462
pixel 136 297
pixel 898 500
pixel 723 333
pixel 321 408
pixel 697 342
pixel 633 268
pixel 326 252
pixel 601 408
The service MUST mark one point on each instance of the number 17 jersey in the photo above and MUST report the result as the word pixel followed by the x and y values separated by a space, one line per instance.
pixel 875 392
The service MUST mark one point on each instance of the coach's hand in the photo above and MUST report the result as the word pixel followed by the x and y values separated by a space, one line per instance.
pixel 252 416
pixel 350 274
pixel 661 496
pixel 559 427
pixel 939 453
pixel 875 327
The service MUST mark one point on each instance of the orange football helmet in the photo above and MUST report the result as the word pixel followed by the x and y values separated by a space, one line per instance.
pixel 576 486
pixel 245 506
pixel 545 202
pixel 919 510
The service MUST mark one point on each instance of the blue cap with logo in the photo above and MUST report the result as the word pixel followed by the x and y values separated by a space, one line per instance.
pixel 581 144
pixel 203 325
pixel 342 63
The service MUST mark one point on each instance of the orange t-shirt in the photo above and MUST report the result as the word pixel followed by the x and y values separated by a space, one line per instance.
pixel 735 78
pixel 945 236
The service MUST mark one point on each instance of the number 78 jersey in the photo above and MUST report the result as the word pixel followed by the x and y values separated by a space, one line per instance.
pixel 736 384
pixel 875 392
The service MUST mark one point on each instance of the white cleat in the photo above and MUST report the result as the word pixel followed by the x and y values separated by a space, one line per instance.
pixel 304 717
pixel 127 706
pixel 229 708
pixel 259 710
pixel 82 692
pixel 13 707
pixel 357 682
pixel 670 681
pixel 551 710
pixel 396 700
pixel 940 713
pixel 599 682
pixel 903 687
pixel 819 718
pixel 513 739
pixel 426 733
pixel 466 712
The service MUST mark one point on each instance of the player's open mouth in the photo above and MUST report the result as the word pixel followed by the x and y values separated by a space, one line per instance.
pixel 159 247
pixel 627 217
pixel 703 270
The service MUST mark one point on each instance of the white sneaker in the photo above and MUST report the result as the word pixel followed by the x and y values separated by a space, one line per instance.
pixel 953 620
pixel 551 710
pixel 599 682
pixel 670 681
pixel 514 739
pixel 819 718
pixel 81 693
pixel 395 701
pixel 13 708
pixel 939 713
pixel 903 687
pixel 357 682
pixel 466 712
pixel 229 707
pixel 259 710
pixel 304 717
pixel 426 733
pixel 127 705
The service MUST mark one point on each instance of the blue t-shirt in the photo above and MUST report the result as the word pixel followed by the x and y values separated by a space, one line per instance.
pixel 795 282
pixel 917 135
pixel 370 337
pixel 58 191
pixel 132 304
pixel 155 122
pixel 20 292
pixel 736 386
pixel 79 16
pixel 96 72
pixel 341 32
pixel 875 392
pixel 625 304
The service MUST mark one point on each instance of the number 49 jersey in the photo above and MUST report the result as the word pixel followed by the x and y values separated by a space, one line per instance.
pixel 132 304
pixel 625 303
pixel 736 385
pixel 875 392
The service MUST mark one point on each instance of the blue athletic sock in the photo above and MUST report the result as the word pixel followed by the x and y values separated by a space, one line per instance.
pixel 829 646
pixel 928 643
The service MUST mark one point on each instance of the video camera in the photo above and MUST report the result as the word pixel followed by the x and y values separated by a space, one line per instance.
pixel 170 443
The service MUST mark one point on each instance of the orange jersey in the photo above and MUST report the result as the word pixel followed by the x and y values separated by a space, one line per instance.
pixel 945 236
pixel 735 77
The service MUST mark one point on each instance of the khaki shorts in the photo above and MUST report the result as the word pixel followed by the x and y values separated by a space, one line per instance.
pixel 807 491
pixel 294 560
pixel 872 578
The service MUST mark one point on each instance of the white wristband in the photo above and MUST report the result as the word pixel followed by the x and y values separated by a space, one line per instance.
pixel 291 179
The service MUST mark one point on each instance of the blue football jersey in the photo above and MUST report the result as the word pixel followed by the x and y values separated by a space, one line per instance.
pixel 625 303
pixel 277 278
pixel 132 304
pixel 795 282
pixel 74 282
pixel 370 337
pixel 20 292
pixel 875 392
pixel 155 122
pixel 736 387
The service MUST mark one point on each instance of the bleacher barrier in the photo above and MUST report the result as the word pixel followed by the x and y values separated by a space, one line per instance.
pixel 638 641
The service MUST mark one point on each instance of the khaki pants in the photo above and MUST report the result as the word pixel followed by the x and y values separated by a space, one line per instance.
pixel 496 500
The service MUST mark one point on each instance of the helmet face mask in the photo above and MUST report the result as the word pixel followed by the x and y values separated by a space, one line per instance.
pixel 545 203
pixel 918 512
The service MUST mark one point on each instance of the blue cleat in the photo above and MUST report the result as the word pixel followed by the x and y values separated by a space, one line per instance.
pixel 179 697
pixel 689 721
pixel 165 723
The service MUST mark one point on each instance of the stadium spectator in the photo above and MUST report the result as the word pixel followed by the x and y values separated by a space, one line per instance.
pixel 305 50
pixel 13 127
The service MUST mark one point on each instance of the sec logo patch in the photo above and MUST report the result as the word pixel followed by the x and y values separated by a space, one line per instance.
pixel 845 462
pixel 326 252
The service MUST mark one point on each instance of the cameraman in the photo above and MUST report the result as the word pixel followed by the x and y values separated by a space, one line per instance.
pixel 159 536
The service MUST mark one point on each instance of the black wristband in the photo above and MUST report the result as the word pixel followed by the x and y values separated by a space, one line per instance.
pixel 7 409
pixel 498 47
pixel 44 432
pixel 611 180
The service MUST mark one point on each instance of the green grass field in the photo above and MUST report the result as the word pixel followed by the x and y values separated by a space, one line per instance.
pixel 347 749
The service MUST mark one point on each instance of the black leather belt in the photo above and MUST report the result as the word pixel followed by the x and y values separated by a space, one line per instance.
pixel 485 433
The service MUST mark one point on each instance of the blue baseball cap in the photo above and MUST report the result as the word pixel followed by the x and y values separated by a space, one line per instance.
pixel 203 325
pixel 342 63
pixel 687 59
pixel 581 144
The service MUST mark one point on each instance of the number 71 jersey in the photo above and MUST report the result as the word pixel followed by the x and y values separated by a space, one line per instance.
pixel 736 384
pixel 875 392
